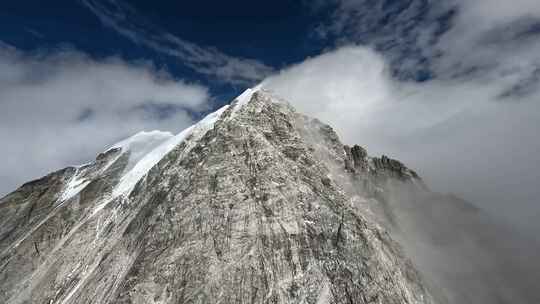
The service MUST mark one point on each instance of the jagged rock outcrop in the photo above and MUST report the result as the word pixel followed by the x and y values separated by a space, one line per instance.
pixel 394 167
pixel 358 161
pixel 247 206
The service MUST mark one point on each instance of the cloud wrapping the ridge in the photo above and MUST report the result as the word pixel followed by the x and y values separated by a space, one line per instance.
pixel 125 20
pixel 471 128
pixel 62 109
pixel 455 133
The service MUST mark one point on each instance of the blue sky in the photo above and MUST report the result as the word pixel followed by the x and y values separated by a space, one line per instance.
pixel 449 87
pixel 276 34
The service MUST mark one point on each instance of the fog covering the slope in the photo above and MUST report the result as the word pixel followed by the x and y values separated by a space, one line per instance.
pixel 167 231
pixel 465 254
pixel 456 133
pixel 469 255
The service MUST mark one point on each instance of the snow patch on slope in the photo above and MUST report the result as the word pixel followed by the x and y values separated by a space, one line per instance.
pixel 149 160
pixel 244 98
pixel 137 145
pixel 141 144
pixel 148 148
pixel 73 188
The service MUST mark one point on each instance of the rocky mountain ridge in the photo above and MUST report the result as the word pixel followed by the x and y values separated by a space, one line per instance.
pixel 256 203
pixel 237 209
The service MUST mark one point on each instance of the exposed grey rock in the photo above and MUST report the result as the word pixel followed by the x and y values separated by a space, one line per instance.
pixel 265 205
pixel 393 167
pixel 356 158
pixel 466 256
pixel 463 252
pixel 254 210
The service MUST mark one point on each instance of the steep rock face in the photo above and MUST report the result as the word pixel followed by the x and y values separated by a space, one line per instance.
pixel 255 206
pixel 465 255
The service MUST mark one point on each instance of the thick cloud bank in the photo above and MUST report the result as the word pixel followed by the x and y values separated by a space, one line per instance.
pixel 458 134
pixel 63 108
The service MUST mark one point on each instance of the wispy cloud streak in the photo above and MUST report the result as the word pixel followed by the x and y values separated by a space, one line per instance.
pixel 207 61
pixel 451 40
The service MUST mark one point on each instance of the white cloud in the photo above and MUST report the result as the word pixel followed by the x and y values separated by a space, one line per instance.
pixel 62 109
pixel 457 134
pixel 207 61
pixel 484 39
pixel 472 131
pixel 494 36
pixel 490 13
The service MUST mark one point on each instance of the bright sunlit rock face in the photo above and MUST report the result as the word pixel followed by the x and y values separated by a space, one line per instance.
pixel 256 202
pixel 246 205
pixel 241 152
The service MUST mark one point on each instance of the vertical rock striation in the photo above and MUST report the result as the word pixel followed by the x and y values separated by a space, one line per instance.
pixel 257 206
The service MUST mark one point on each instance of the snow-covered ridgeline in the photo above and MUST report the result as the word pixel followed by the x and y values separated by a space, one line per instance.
pixel 146 149
pixel 141 168
pixel 141 144
pixel 195 132
pixel 244 98
pixel 138 145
